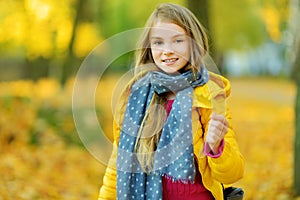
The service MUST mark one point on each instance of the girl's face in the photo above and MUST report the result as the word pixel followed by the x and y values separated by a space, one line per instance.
pixel 170 46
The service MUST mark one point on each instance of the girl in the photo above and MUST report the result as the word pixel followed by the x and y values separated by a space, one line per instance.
pixel 173 137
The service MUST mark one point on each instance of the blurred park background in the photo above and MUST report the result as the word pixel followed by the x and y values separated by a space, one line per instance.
pixel 43 43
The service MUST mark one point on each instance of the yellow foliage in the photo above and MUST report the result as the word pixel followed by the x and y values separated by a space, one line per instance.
pixel 40 9
pixel 271 17
pixel 46 89
pixel 13 24
pixel 42 27
pixel 63 36
pixel 263 119
pixel 21 88
pixel 275 15
pixel 39 41
pixel 86 39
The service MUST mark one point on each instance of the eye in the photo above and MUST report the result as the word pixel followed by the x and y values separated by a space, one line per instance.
pixel 156 42
pixel 179 40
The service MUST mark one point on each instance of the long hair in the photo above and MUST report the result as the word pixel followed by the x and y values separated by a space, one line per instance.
pixel 155 117
pixel 182 17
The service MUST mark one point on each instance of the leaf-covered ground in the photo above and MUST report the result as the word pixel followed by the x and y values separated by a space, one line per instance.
pixel 263 115
pixel 41 156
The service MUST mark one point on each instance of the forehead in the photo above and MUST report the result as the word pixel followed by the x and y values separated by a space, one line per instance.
pixel 166 29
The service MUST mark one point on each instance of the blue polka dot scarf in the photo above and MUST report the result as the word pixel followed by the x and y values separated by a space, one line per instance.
pixel 174 155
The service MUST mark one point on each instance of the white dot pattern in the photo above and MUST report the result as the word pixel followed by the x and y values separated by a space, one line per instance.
pixel 174 156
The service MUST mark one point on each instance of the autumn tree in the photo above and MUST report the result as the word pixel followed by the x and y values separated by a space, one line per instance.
pixel 68 66
pixel 297 120
pixel 296 76
pixel 295 57
pixel 201 10
pixel 231 25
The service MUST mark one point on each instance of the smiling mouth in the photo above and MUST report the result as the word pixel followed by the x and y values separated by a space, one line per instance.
pixel 171 60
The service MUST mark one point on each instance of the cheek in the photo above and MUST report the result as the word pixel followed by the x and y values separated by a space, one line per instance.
pixel 155 54
pixel 187 55
pixel 183 51
pixel 187 50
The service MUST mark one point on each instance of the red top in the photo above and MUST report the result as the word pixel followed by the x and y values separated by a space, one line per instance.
pixel 184 191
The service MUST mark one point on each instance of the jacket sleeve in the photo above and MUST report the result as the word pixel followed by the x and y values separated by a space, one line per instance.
pixel 108 188
pixel 229 166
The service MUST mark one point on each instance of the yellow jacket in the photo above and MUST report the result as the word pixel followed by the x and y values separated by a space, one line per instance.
pixel 226 169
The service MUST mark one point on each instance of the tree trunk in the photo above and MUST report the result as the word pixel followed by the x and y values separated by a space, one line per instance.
pixel 294 29
pixel 201 10
pixel 297 145
pixel 69 67
pixel 297 124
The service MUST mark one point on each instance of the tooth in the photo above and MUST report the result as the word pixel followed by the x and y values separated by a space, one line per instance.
pixel 170 60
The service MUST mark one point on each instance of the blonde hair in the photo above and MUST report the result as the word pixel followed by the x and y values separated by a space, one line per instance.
pixel 154 119
pixel 182 17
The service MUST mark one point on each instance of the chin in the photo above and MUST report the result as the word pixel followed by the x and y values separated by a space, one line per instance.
pixel 172 72
pixel 168 70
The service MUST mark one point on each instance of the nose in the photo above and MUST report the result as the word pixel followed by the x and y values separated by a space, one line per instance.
pixel 168 53
pixel 167 50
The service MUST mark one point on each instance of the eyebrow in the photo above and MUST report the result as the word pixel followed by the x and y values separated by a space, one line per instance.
pixel 174 36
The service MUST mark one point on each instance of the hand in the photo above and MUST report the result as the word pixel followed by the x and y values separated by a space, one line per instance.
pixel 217 128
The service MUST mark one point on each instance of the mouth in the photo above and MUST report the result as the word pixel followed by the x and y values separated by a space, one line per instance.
pixel 170 60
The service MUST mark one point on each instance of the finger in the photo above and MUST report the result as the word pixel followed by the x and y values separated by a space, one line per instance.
pixel 217 128
pixel 214 124
pixel 221 118
pixel 217 116
pixel 214 134
pixel 213 140
pixel 217 124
